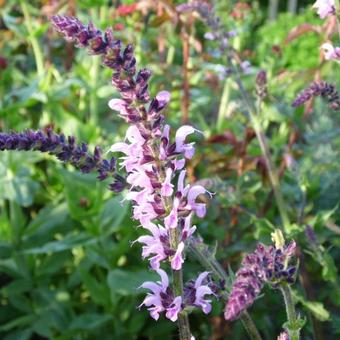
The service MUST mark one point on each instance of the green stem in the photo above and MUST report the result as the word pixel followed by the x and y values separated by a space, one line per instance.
pixel 250 327
pixel 272 172
pixel 223 103
pixel 202 254
pixel 183 320
pixel 39 61
pixel 93 94
pixel 292 325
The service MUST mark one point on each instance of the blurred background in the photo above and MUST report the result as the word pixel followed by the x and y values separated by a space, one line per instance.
pixel 67 267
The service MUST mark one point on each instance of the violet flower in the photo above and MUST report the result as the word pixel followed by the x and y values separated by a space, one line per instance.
pixel 322 89
pixel 162 298
pixel 324 8
pixel 66 150
pixel 266 264
pixel 152 163
pixel 194 292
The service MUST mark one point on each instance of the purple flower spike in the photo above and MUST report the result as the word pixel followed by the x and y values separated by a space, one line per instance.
pixel 322 89
pixel 65 149
pixel 266 265
pixel 121 61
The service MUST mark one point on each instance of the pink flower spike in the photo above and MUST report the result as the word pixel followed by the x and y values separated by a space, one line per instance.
pixel 324 8
pixel 167 186
pixel 177 260
pixel 174 309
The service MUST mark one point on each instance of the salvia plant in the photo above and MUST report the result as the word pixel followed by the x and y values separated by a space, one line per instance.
pixel 150 165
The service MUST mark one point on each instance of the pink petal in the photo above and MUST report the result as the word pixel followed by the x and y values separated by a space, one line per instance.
pixel 163 97
pixel 181 135
pixel 167 186
pixel 120 147
pixel 195 191
pixel 133 135
pixel 118 105
pixel 177 260
pixel 164 278
pixel 200 279
pixel 172 312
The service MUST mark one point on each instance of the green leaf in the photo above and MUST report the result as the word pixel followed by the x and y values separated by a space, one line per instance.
pixel 318 310
pixel 123 282
pixel 25 320
pixel 329 270
pixel 69 242
pixel 89 321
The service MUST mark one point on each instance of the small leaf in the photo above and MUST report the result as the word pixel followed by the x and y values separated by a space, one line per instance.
pixel 127 283
pixel 89 321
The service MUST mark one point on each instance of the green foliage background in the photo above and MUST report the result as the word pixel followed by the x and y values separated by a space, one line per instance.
pixel 67 267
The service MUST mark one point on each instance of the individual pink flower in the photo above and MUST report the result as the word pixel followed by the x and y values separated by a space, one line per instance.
pixel 161 299
pixel 167 186
pixel 154 245
pixel 201 291
pixel 330 52
pixel 324 8
pixel 195 292
pixel 181 147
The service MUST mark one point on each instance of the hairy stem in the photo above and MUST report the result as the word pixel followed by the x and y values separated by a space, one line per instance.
pixel 292 325
pixel 183 320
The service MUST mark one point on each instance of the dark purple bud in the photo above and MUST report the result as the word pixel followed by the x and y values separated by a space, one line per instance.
pixel 261 84
pixel 118 185
pixel 159 102
pixel 311 236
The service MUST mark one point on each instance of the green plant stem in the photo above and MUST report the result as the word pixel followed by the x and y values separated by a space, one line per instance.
pixel 223 103
pixel 39 61
pixel 202 254
pixel 93 94
pixel 183 320
pixel 272 172
pixel 292 326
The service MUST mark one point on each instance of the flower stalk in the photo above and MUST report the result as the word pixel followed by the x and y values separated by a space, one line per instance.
pixel 293 324
pixel 152 163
